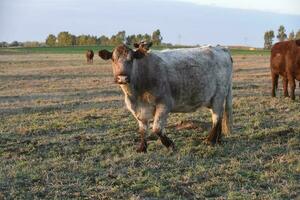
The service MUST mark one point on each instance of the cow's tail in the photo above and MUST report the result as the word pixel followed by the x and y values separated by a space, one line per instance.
pixel 227 116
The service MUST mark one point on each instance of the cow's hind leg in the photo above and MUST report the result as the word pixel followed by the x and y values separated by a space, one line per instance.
pixel 292 87
pixel 274 83
pixel 216 130
pixel 159 122
pixel 143 126
pixel 285 86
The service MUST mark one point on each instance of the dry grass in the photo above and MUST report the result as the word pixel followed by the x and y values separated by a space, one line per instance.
pixel 65 133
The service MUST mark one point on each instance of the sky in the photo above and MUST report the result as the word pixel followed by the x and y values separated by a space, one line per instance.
pixel 190 22
pixel 276 6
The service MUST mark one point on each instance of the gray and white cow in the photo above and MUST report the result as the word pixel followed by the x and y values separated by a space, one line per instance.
pixel 179 80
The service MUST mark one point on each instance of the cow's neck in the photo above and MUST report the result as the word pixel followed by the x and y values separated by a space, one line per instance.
pixel 128 91
pixel 140 81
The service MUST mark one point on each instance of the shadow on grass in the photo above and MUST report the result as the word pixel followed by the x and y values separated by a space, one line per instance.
pixel 63 107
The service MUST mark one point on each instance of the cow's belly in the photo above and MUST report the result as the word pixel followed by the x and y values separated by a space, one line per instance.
pixel 145 112
pixel 142 110
pixel 188 108
pixel 191 105
pixel 189 96
pixel 190 100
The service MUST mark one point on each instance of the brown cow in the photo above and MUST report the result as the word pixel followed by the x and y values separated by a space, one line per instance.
pixel 89 56
pixel 285 61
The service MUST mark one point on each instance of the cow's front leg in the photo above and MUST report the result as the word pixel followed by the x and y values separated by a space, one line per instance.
pixel 160 118
pixel 143 126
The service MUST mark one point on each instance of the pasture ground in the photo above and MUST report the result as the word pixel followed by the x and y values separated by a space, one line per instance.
pixel 65 133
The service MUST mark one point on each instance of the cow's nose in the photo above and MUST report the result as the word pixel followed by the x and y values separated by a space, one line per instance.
pixel 122 79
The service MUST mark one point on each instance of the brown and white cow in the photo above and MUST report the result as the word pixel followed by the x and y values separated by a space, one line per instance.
pixel 285 61
pixel 179 80
pixel 89 56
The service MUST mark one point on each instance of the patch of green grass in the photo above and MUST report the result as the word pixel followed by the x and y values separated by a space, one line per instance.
pixel 53 50
pixel 83 49
pixel 258 52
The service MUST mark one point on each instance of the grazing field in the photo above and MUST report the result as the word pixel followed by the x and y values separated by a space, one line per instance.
pixel 65 133
pixel 83 49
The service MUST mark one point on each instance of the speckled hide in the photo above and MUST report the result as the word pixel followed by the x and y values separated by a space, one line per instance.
pixel 178 80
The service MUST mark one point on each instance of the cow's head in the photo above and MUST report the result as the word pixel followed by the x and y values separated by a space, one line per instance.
pixel 143 46
pixel 122 62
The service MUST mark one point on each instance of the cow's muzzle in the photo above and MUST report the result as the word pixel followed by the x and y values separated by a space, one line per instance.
pixel 122 79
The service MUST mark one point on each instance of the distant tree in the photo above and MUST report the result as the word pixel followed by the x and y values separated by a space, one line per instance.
pixel 65 39
pixel 297 37
pixel 147 37
pixel 138 38
pixel 269 35
pixel 91 40
pixel 113 40
pixel 121 36
pixel 51 40
pixel 156 37
pixel 291 36
pixel 81 40
pixel 118 39
pixel 15 44
pixel 281 36
pixel 3 44
pixel 31 44
pixel 103 40
pixel 128 40
pixel 73 40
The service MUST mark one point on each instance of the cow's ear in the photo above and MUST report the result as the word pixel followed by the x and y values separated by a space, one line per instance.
pixel 297 43
pixel 136 45
pixel 138 54
pixel 150 44
pixel 105 55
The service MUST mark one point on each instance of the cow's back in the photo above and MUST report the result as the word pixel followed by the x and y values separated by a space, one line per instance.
pixel 285 56
pixel 295 58
pixel 278 54
pixel 195 75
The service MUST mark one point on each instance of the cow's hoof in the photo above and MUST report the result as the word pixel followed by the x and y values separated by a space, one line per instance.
pixel 167 142
pixel 210 141
pixel 293 98
pixel 142 148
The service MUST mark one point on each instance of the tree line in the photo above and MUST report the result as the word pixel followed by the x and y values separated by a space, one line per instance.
pixel 281 36
pixel 67 39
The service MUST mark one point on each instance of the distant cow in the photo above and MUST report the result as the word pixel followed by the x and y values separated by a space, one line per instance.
pixel 285 61
pixel 179 80
pixel 89 56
